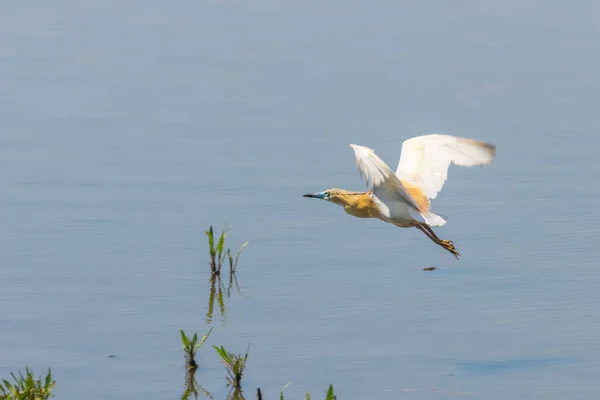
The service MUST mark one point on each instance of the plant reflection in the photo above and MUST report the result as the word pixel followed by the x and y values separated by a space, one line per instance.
pixel 192 388
pixel 218 291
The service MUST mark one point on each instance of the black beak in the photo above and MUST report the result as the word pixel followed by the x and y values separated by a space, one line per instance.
pixel 309 195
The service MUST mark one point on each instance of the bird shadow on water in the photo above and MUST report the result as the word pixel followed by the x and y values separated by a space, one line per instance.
pixel 484 367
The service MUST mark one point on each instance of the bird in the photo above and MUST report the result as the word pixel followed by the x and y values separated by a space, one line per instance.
pixel 403 198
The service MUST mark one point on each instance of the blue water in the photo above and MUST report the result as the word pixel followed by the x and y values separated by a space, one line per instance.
pixel 129 128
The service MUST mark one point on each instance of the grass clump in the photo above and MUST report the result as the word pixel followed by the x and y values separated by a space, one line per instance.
pixel 330 395
pixel 235 363
pixel 27 387
pixel 219 255
pixel 191 346
pixel 218 252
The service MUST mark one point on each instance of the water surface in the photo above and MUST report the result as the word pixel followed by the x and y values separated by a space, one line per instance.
pixel 129 128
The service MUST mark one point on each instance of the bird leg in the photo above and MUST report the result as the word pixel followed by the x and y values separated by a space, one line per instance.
pixel 446 244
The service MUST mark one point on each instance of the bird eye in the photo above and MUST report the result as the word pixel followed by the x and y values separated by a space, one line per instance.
pixel 326 195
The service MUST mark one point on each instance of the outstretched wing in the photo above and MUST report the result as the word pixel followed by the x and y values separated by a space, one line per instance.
pixel 425 160
pixel 382 180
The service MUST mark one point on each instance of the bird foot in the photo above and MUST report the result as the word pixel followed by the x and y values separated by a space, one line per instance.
pixel 448 245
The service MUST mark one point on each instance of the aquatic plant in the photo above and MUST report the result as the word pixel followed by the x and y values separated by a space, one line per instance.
pixel 26 387
pixel 217 251
pixel 330 395
pixel 235 363
pixel 283 389
pixel 191 346
pixel 232 263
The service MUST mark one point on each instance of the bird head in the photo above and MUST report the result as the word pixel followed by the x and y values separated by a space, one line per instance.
pixel 334 195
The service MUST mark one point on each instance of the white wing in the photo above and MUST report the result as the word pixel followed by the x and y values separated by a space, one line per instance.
pixel 385 184
pixel 424 160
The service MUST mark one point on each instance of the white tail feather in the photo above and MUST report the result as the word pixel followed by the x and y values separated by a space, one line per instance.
pixel 432 219
pixel 427 217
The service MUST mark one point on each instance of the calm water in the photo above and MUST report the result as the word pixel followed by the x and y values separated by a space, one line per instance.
pixel 129 127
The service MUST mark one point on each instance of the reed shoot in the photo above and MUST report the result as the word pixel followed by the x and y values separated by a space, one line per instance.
pixel 218 252
pixel 235 363
pixel 232 263
pixel 191 346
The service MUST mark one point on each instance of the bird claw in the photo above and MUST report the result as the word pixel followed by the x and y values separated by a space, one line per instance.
pixel 448 245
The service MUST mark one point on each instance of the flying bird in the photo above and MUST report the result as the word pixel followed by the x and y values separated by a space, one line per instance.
pixel 404 198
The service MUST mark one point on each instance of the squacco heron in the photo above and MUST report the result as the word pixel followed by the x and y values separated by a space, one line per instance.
pixel 404 198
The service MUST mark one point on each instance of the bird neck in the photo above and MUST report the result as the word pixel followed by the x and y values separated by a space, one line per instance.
pixel 347 198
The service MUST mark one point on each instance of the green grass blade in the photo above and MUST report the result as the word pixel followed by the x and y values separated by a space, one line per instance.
pixel 225 356
pixel 238 255
pixel 193 342
pixel 184 339
pixel 330 394
pixel 219 350
pixel 211 241
pixel 283 389
pixel 203 339
pixel 221 242
pixel 48 378
pixel 222 353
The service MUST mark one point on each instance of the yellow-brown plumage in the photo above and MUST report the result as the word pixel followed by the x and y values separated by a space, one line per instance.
pixel 417 194
pixel 402 198
pixel 362 204
pixel 358 204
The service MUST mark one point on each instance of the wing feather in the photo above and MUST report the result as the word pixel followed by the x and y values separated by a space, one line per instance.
pixel 380 177
pixel 425 160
